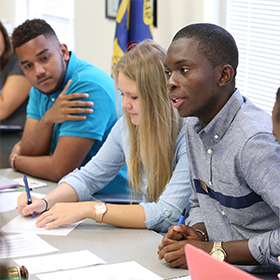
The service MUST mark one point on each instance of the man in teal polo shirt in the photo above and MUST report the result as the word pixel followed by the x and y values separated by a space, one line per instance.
pixel 71 107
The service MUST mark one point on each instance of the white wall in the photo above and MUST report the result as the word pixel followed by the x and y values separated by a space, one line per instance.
pixel 95 33
pixel 7 10
pixel 7 14
pixel 173 15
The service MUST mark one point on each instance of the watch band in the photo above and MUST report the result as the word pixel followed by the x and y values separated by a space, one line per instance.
pixel 99 217
pixel 99 213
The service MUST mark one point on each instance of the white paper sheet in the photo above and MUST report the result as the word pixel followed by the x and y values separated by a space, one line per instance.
pixel 32 183
pixel 9 200
pixel 60 261
pixel 121 271
pixel 187 277
pixel 27 225
pixel 19 245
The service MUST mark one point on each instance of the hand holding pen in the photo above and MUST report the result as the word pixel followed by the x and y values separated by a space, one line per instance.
pixel 29 201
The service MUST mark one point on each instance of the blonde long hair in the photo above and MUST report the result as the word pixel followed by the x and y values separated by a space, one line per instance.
pixel 153 140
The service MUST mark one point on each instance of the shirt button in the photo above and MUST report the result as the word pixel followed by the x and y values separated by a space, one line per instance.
pixel 223 213
pixel 216 136
pixel 166 213
pixel 210 183
pixel 53 99
pixel 209 151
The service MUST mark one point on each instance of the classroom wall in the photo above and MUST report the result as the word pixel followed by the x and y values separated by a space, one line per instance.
pixel 94 33
pixel 7 10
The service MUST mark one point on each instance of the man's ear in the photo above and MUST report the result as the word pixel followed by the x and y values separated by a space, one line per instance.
pixel 226 75
pixel 65 52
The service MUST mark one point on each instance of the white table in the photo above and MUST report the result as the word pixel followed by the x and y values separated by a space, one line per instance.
pixel 110 243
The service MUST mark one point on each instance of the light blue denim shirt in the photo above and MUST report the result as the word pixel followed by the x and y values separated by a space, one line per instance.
pixel 113 155
pixel 235 176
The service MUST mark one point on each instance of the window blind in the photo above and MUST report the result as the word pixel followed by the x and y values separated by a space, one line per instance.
pixel 255 25
pixel 60 14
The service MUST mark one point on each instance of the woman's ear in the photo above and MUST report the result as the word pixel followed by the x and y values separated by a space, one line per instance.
pixel 226 75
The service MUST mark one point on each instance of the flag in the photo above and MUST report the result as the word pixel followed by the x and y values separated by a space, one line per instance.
pixel 134 23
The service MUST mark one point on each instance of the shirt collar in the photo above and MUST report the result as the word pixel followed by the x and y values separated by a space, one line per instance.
pixel 221 122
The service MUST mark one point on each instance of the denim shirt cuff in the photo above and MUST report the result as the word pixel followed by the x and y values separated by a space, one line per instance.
pixel 155 221
pixel 74 181
pixel 259 247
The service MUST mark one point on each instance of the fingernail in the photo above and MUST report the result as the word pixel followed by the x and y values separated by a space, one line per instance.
pixel 90 103
pixel 177 228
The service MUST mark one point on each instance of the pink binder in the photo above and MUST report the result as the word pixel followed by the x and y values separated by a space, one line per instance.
pixel 203 266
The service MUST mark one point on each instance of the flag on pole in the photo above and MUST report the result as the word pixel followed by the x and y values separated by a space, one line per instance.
pixel 134 24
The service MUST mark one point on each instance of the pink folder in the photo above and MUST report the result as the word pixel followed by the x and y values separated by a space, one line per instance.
pixel 203 266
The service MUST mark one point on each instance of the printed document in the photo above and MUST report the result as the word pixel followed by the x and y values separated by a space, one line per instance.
pixel 60 261
pixel 27 225
pixel 119 271
pixel 19 245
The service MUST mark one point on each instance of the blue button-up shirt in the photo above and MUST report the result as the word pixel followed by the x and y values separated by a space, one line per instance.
pixel 235 177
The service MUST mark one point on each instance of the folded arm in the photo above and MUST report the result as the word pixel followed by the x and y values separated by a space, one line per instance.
pixel 68 155
pixel 37 135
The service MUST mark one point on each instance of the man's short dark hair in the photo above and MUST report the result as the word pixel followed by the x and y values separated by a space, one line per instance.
pixel 215 43
pixel 31 29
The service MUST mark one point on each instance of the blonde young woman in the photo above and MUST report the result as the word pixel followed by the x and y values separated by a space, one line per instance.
pixel 149 138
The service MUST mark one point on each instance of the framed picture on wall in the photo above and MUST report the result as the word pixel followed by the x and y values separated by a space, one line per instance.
pixel 112 8
pixel 154 10
pixel 113 5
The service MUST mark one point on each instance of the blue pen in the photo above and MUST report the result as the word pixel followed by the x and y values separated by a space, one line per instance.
pixel 182 218
pixel 29 201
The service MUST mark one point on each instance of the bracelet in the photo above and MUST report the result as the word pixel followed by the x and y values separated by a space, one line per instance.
pixel 13 161
pixel 47 205
pixel 204 235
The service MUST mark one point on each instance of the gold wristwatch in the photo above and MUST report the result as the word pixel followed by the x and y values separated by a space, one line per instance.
pixel 218 252
pixel 100 210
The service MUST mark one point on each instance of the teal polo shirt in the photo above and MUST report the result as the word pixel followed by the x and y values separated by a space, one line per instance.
pixel 86 78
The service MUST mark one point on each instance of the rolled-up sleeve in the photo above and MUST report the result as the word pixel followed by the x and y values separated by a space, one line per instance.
pixel 263 176
pixel 101 169
pixel 265 248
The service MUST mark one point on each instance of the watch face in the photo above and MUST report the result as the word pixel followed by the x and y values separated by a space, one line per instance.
pixel 100 208
pixel 219 255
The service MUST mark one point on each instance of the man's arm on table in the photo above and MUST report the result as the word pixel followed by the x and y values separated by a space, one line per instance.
pixel 172 248
pixel 68 155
